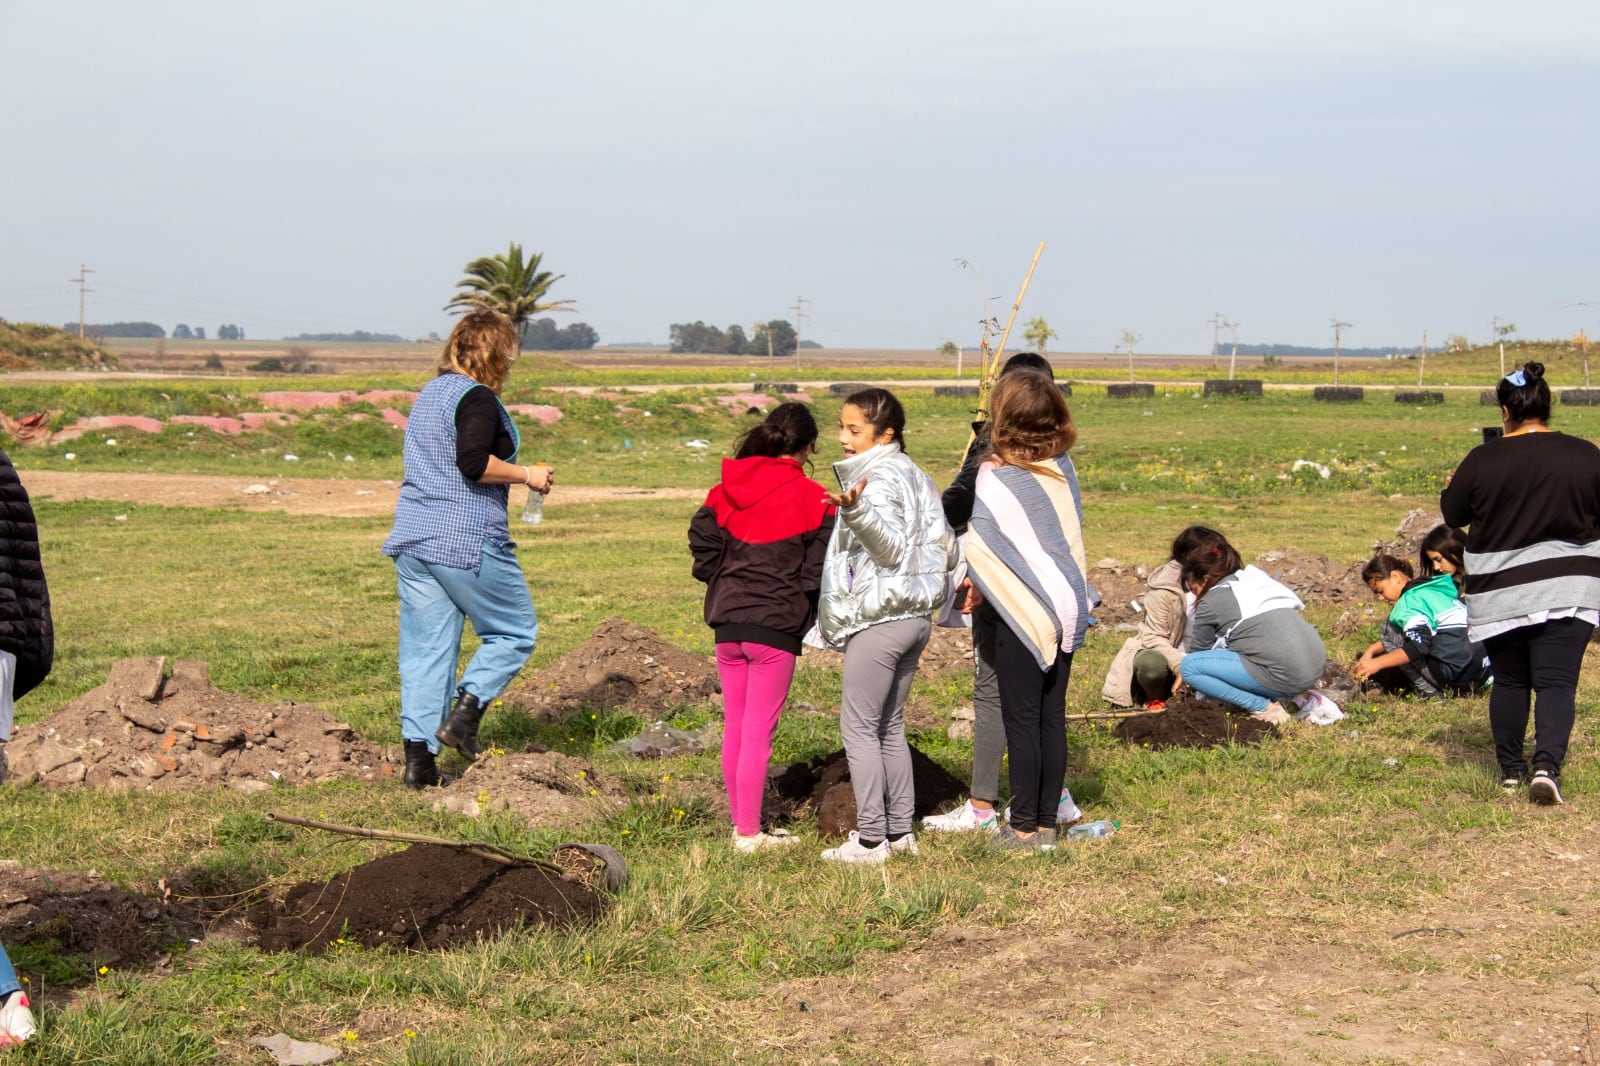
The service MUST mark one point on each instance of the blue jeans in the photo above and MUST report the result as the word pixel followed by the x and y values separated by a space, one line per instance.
pixel 434 600
pixel 1220 674
pixel 8 976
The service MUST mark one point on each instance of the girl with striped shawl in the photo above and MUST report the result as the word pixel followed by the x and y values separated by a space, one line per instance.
pixel 1025 553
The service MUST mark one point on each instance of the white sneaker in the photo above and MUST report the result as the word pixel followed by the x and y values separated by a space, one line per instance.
pixel 1317 709
pixel 906 844
pixel 778 838
pixel 851 851
pixel 1274 713
pixel 16 1020
pixel 1067 811
pixel 964 818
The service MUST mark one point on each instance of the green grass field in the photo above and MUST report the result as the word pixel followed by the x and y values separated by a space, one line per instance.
pixel 1299 849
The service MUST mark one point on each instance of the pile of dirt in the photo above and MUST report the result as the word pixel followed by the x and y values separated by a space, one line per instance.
pixel 85 923
pixel 426 897
pixel 1189 722
pixel 1318 581
pixel 1313 578
pixel 143 729
pixel 542 787
pixel 824 785
pixel 1122 588
pixel 622 667
pixel 1408 535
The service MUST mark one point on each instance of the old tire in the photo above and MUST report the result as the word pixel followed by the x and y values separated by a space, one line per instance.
pixel 1237 387
pixel 1135 390
pixel 1338 393
pixel 1416 398
pixel 616 866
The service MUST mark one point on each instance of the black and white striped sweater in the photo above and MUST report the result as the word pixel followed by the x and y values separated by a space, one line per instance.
pixel 1531 503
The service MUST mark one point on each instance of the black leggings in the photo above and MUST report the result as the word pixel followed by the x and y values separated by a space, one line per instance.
pixel 1544 658
pixel 1033 705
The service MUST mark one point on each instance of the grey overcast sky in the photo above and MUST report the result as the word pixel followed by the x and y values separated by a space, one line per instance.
pixel 291 166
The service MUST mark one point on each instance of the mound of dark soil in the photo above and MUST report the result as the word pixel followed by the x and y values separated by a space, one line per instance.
pixel 86 923
pixel 1191 723
pixel 427 898
pixel 622 666
pixel 144 729
pixel 823 785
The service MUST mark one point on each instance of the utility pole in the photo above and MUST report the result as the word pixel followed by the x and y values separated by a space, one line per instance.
pixel 81 280
pixel 1233 358
pixel 799 310
pixel 1422 358
pixel 1338 328
pixel 1217 322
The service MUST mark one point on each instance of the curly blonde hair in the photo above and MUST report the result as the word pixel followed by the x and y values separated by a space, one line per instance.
pixel 1029 421
pixel 482 346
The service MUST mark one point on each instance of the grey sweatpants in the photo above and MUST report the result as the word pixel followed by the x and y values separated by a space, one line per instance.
pixel 879 663
pixel 988 728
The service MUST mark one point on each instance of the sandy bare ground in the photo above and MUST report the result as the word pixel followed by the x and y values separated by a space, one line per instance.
pixel 338 497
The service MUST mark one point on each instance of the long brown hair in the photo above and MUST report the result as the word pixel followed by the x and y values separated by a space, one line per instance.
pixel 482 346
pixel 1207 564
pixel 1030 422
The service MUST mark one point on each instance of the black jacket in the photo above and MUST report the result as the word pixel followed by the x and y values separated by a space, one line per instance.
pixel 25 628
pixel 958 498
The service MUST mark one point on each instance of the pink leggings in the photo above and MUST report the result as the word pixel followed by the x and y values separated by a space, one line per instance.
pixel 755 682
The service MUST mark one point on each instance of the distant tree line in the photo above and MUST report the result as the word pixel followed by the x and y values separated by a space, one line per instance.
pixel 117 329
pixel 1301 350
pixel 541 335
pixel 360 336
pixel 709 340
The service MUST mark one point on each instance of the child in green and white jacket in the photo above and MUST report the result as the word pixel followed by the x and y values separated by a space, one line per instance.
pixel 1423 647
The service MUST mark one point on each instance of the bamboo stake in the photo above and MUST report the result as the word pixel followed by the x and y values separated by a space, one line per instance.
pixel 992 369
pixel 480 850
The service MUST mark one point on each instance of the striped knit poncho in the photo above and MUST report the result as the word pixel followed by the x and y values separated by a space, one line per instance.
pixel 1024 549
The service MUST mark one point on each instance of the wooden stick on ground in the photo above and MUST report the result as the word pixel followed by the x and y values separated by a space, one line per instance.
pixel 480 850
pixel 1103 716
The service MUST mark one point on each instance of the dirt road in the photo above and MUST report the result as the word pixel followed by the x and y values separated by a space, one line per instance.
pixel 340 497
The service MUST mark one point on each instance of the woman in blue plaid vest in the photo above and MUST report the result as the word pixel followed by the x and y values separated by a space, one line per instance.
pixel 452 547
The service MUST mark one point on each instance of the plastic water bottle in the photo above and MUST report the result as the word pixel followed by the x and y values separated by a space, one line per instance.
pixel 1092 830
pixel 533 510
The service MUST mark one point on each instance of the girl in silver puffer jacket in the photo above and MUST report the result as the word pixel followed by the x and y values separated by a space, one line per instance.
pixel 886 573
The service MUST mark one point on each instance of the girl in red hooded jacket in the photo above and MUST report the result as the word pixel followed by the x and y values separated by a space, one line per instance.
pixel 758 544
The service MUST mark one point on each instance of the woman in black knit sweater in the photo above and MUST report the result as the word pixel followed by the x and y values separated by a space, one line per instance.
pixel 1532 502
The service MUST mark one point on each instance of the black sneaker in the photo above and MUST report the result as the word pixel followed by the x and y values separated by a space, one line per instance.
pixel 1511 784
pixel 1544 789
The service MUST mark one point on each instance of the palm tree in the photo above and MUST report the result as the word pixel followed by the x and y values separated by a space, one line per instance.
pixel 507 284
pixel 1039 334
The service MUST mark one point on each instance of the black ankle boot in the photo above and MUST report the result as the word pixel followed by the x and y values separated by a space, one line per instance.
pixel 420 770
pixel 460 730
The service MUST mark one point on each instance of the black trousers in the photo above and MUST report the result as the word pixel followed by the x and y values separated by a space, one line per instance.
pixel 1033 706
pixel 1545 659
